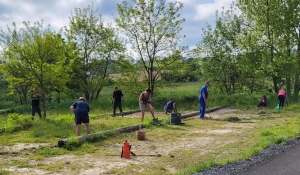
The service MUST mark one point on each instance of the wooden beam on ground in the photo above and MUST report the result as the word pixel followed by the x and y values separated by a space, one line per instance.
pixel 128 112
pixel 197 113
pixel 131 128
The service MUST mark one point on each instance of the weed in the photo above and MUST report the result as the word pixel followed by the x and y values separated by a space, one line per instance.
pixel 73 143
pixel 4 172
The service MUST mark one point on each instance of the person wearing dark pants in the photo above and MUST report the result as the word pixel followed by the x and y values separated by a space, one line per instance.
pixel 203 99
pixel 282 95
pixel 117 99
pixel 35 105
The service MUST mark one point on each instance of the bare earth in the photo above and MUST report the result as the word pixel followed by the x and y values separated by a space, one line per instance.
pixel 102 162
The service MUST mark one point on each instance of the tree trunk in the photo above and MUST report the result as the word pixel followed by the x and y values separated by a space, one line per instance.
pixel 44 104
pixel 275 83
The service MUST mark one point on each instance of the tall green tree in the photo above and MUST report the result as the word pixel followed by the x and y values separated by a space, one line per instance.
pixel 34 58
pixel 221 52
pixel 274 26
pixel 98 48
pixel 153 30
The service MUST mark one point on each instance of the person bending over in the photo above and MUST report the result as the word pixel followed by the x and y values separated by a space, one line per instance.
pixel 81 110
pixel 170 106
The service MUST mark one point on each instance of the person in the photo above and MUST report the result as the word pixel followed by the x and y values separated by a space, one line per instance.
pixel 144 102
pixel 203 98
pixel 35 105
pixel 81 110
pixel 170 106
pixel 282 96
pixel 263 101
pixel 117 99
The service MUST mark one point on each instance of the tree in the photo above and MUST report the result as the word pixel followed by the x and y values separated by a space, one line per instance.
pixel 34 58
pixel 153 30
pixel 98 47
pixel 274 27
pixel 222 54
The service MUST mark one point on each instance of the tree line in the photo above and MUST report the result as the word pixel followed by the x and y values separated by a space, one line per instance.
pixel 253 46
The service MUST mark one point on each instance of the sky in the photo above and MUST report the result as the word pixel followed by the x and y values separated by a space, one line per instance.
pixel 197 13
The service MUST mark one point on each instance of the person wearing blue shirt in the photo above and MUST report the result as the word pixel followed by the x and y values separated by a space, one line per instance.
pixel 203 99
pixel 170 106
pixel 81 110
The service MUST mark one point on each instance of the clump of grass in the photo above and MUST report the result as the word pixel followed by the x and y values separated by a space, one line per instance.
pixel 48 152
pixel 17 122
pixel 232 119
pixel 4 172
pixel 73 143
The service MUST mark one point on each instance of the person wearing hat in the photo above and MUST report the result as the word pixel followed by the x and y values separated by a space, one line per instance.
pixel 81 110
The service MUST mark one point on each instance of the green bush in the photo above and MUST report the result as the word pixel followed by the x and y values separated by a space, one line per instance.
pixel 17 122
pixel 73 143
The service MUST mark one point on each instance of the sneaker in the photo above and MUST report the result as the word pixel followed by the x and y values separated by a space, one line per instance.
pixel 113 115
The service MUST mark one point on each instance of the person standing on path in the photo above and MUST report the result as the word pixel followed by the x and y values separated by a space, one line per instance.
pixel 117 99
pixel 203 98
pixel 35 105
pixel 282 96
pixel 144 102
pixel 81 110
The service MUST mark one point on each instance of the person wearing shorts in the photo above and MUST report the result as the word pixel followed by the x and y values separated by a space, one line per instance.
pixel 81 110
pixel 144 102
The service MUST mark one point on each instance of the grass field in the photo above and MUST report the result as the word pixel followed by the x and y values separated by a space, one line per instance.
pixel 185 149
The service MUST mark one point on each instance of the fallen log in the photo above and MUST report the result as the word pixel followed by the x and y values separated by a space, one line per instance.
pixel 131 128
pixel 197 113
pixel 128 112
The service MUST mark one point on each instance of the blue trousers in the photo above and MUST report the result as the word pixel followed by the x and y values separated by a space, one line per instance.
pixel 202 108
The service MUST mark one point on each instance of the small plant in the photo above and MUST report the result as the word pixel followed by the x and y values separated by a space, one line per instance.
pixel 232 119
pixel 3 172
pixel 16 122
pixel 72 144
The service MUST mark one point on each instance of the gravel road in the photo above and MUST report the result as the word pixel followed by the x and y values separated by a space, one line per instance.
pixel 244 167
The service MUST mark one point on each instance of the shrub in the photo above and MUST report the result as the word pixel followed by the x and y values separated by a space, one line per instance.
pixel 73 143
pixel 16 122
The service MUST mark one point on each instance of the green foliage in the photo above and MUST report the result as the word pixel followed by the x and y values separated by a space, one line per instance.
pixel 4 172
pixel 35 59
pixel 153 30
pixel 73 143
pixel 49 152
pixel 16 122
pixel 99 47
